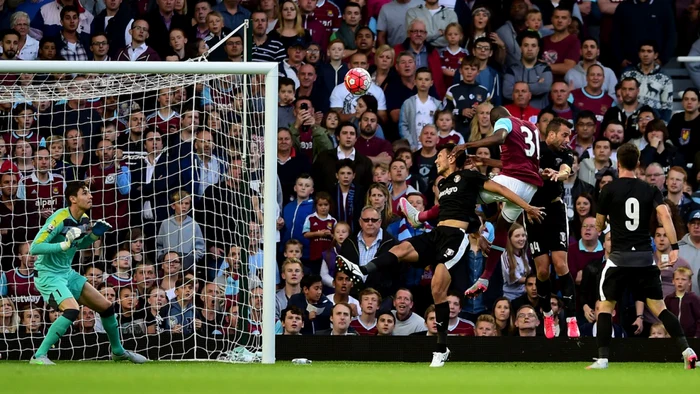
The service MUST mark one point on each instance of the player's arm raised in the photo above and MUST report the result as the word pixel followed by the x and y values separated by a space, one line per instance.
pixel 54 225
pixel 534 213
pixel 664 216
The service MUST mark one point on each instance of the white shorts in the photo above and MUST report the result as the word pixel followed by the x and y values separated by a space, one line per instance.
pixel 510 210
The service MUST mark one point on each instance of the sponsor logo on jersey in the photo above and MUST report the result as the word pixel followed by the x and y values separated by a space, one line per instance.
pixel 448 191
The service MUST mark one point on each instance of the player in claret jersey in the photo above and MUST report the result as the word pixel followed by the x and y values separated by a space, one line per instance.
pixel 520 160
pixel 629 203
pixel 444 247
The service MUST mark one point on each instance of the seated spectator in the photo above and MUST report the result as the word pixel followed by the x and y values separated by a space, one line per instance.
pixel 180 232
pixel 591 169
pixel 407 322
pixel 31 322
pixel 292 273
pixel 515 263
pixel 416 111
pixel 144 279
pixel 458 326
pixel 86 323
pixel 685 304
pixel 131 318
pixel 121 266
pixel 658 331
pixel 503 316
pixel 341 315
pixel 50 16
pixel 559 103
pixel 341 231
pixel 366 323
pixel 576 76
pixel 171 265
pixel 486 327
pixel 592 97
pixel 9 318
pixel 587 249
pixel 590 329
pixel 211 313
pixel 530 297
pixel 108 293
pixel 315 306
pixel 386 322
pixel 157 299
pixel 430 322
pixel 659 149
pixel 292 320
pixel 343 285
pixel 526 321
pixel 95 276
pixel 178 315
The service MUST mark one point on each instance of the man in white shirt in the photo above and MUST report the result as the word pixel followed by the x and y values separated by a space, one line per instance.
pixel 345 102
pixel 407 322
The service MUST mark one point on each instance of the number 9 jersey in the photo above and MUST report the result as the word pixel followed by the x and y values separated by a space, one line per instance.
pixel 630 204
pixel 520 153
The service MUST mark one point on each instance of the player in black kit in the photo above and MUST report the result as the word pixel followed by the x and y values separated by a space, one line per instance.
pixel 551 236
pixel 444 247
pixel 630 203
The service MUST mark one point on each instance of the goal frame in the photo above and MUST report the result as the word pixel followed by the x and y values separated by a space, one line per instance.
pixel 270 70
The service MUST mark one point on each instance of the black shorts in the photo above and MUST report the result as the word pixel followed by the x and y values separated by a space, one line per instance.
pixel 643 282
pixel 552 235
pixel 444 245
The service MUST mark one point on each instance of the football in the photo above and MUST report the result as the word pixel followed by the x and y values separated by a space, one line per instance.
pixel 358 81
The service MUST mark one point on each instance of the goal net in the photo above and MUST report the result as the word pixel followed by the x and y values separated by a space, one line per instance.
pixel 180 159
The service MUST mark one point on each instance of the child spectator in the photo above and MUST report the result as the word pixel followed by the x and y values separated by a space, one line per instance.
pixel 366 323
pixel 131 319
pixel 658 331
pixel 458 326
pixel 178 315
pixel 430 322
pixel 318 228
pixel 157 299
pixel 180 232
pixel 380 174
pixel 516 266
pixel 330 122
pixel 332 73
pixel 486 327
pixel 488 76
pixel 315 306
pixel 9 319
pixel 292 274
pixel 451 56
pixel 343 285
pixel 292 321
pixel 165 119
pixel 386 322
pixel 171 266
pixel 228 274
pixel 417 111
pixel 121 277
pixel 295 213
pixel 463 98
pixel 503 317
pixel 211 313
pixel 444 121
pixel 684 303
pixel 285 110
pixel 533 22
pixel 328 268
pixel 31 321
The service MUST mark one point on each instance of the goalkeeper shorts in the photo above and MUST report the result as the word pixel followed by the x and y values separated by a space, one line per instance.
pixel 58 287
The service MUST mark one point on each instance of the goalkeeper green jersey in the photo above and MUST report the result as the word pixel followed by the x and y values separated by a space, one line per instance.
pixel 47 243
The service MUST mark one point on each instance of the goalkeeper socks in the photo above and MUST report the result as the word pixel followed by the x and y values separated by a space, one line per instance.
pixel 544 291
pixel 380 262
pixel 442 320
pixel 673 326
pixel 568 293
pixel 604 334
pixel 109 322
pixel 56 331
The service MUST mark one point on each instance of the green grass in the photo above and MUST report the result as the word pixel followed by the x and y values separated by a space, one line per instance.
pixel 339 377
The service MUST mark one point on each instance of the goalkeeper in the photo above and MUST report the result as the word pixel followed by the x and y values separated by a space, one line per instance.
pixel 65 232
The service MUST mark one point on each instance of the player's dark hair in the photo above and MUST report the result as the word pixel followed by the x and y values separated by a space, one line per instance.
pixel 291 309
pixel 628 156
pixel 344 163
pixel 308 280
pixel 555 124
pixel 459 160
pixel 72 189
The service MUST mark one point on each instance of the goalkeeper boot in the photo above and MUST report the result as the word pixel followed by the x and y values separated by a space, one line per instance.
pixel 44 360
pixel 549 324
pixel 690 358
pixel 131 356
pixel 439 359
pixel 480 286
pixel 600 363
pixel 350 269
pixel 572 327
pixel 410 212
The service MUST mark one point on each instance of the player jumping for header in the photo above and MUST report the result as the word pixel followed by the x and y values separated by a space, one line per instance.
pixel 64 233
pixel 444 247
pixel 630 203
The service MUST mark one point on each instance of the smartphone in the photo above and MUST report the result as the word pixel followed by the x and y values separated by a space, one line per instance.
pixel 665 259
pixel 304 106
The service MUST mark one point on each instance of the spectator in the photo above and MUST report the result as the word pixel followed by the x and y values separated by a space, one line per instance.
pixel 486 327
pixel 508 33
pixel 378 150
pixel 292 321
pixel 521 108
pixel 592 97
pixel 292 272
pixel 315 306
pixel 117 22
pixel 386 323
pixel 341 315
pixel 658 331
pixel 210 167
pixel 683 124
pixel 515 263
pixel 99 46
pixel 530 70
pixel 430 322
pixel 488 76
pixel 592 169
pixel 160 21
pixel 144 279
pixel 228 274
pixel 352 15
pixel 576 77
pixel 131 319
pixel 416 111
pixel 23 157
pixel 675 180
pixel 464 110
pixel 289 27
pixel 530 295
pixel 587 249
pixel 655 176
pixel 73 41
pixel 436 17
pixel 345 103
pixel 331 73
pixel 398 186
pixel 582 142
pixel 50 18
pixel 295 212
pixel 178 315
pixel 638 22
pixel 659 149
pixel 42 189
pixel 590 282
pixel 320 20
pixel 121 270
pixel 341 231
pixel 562 49
pixel 310 139
pixel 18 283
pixel 211 311
pixel 95 276
pixel 366 322
pixel 200 30
pixel 684 303
pixel 308 88
pixel 10 47
pixel 656 88
pixel 407 322
pixel 590 329
pixel 343 285
pixel 559 103
pixel 86 323
pixel 233 47
pixel 385 57
pixel 391 29
pixel 424 171
pixel 452 53
pixel 526 321
pixel 285 109
pixel 289 164
pixel 31 322
pixel 27 46
pixel 180 232
pixel 110 179
pixel 425 54
pixel 325 165
pixel 630 106
pixel 690 244
pixel 458 326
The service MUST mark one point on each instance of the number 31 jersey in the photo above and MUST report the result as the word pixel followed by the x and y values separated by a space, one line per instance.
pixel 630 204
pixel 520 153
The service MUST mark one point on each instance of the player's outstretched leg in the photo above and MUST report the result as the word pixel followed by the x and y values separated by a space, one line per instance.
pixel 56 331
pixel 410 212
pixel 439 287
pixel 401 252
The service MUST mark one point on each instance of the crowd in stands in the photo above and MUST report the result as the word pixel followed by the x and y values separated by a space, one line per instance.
pixel 168 170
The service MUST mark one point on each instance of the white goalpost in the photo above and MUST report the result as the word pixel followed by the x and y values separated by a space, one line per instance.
pixel 181 158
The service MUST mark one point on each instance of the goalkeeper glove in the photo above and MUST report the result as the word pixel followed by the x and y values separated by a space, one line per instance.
pixel 100 227
pixel 72 234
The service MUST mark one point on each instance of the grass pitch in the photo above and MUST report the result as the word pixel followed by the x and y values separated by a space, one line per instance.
pixel 340 377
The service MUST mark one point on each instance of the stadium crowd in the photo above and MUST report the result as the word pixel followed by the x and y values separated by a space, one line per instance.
pixel 168 172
